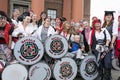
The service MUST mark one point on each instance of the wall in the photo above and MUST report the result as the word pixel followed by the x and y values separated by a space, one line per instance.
pixel 4 5
pixel 67 10
pixel 37 6
pixel 77 9
pixel 87 9
pixel 73 9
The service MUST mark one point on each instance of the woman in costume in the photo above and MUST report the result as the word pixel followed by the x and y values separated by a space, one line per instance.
pixel 112 28
pixel 99 40
pixel 22 29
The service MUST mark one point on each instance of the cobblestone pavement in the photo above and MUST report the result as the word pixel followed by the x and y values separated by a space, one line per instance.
pixel 115 75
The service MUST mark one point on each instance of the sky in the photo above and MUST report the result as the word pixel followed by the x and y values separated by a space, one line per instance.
pixel 99 6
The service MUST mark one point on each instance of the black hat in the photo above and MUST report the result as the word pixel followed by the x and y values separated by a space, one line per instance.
pixel 109 13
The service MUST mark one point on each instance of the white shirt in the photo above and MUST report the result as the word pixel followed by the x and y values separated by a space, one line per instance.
pixel 115 29
pixel 100 35
pixel 14 22
pixel 20 29
pixel 31 28
pixel 37 34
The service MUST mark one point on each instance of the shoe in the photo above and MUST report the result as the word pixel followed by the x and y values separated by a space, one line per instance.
pixel 85 54
pixel 82 57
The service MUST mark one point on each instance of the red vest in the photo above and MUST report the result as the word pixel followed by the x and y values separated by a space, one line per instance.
pixel 117 53
pixel 6 33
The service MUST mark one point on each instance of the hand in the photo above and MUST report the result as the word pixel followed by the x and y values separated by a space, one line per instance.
pixel 69 47
pixel 106 48
pixel 111 46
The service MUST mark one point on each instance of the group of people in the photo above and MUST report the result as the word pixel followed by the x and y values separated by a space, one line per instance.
pixel 81 37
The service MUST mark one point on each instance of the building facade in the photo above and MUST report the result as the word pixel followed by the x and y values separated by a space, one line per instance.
pixel 71 9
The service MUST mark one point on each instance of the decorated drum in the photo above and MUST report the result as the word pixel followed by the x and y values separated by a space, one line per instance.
pixel 15 72
pixel 115 64
pixel 88 68
pixel 56 46
pixel 40 71
pixel 65 69
pixel 2 65
pixel 28 50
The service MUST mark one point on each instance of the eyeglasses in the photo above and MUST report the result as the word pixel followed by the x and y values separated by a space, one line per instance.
pixel 3 18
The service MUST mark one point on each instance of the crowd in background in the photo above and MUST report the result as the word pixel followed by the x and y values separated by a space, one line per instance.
pixel 82 37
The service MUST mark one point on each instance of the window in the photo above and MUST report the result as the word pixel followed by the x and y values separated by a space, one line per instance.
pixel 51 13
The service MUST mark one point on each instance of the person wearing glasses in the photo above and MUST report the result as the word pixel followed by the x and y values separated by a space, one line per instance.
pixel 5 36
